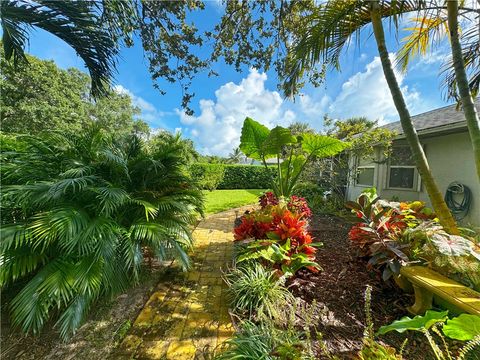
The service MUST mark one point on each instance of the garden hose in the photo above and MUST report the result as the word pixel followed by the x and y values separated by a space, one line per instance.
pixel 458 198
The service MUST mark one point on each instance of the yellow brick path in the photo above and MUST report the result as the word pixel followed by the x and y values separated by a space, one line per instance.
pixel 187 316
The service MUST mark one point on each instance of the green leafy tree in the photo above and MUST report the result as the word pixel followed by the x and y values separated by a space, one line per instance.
pixel 42 96
pixel 97 29
pixel 78 212
pixel 260 143
pixel 298 128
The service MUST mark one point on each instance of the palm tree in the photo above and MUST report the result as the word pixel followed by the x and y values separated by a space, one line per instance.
pixel 79 210
pixel 328 30
pixel 473 121
pixel 235 156
pixel 78 23
pixel 186 146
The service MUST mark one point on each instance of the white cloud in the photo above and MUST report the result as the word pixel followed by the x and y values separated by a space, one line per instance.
pixel 314 106
pixel 367 94
pixel 217 127
pixel 149 113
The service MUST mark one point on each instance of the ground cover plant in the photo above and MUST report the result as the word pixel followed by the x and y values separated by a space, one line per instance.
pixel 80 213
pixel 221 200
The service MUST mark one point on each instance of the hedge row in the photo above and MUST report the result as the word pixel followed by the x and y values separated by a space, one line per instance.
pixel 208 176
pixel 221 176
pixel 247 177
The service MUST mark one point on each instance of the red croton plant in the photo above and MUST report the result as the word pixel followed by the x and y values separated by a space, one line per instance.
pixel 379 228
pixel 279 233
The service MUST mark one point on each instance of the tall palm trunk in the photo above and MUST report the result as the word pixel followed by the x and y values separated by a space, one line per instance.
pixel 473 121
pixel 434 193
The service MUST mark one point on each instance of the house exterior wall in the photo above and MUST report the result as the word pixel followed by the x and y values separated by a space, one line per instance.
pixel 450 158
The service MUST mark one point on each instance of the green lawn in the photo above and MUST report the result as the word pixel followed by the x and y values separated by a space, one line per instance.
pixel 220 200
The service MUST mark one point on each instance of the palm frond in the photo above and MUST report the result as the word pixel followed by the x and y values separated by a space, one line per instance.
pixel 76 23
pixel 425 33
pixel 330 29
pixel 48 289
pixel 74 314
pixel 111 199
pixel 470 39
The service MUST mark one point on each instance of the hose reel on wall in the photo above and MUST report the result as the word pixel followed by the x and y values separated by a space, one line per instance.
pixel 458 198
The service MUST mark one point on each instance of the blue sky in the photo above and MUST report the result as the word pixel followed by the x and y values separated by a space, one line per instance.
pixel 221 103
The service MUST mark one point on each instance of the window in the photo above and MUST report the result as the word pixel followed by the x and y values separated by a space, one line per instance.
pixel 401 169
pixel 365 172
pixel 365 176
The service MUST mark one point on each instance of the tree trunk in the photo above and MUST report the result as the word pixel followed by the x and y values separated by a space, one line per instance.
pixel 468 104
pixel 436 197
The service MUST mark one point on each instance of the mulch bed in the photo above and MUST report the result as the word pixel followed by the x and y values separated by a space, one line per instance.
pixel 339 291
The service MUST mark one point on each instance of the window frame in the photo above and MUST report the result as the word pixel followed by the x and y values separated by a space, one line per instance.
pixel 416 177
pixel 358 167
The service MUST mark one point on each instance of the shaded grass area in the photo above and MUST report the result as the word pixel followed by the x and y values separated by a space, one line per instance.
pixel 221 200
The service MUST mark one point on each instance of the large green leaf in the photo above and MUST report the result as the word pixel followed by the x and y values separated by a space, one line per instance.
pixel 465 327
pixel 252 139
pixel 417 323
pixel 276 140
pixel 322 146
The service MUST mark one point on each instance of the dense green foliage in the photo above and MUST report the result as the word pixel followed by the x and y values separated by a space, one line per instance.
pixel 225 176
pixel 207 176
pixel 185 146
pixel 80 212
pixel 221 200
pixel 42 96
pixel 247 177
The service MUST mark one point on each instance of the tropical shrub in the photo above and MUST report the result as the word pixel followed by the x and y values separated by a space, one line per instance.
pixel 377 233
pixel 392 234
pixel 280 256
pixel 292 153
pixel 295 203
pixel 207 176
pixel 247 177
pixel 283 239
pixel 257 291
pixel 79 211
pixel 457 257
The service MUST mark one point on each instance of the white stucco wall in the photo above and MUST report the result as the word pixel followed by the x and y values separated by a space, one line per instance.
pixel 451 159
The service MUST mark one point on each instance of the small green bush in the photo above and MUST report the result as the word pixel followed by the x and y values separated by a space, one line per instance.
pixel 257 290
pixel 247 177
pixel 207 176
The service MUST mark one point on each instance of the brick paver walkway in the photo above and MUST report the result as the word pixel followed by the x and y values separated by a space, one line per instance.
pixel 187 316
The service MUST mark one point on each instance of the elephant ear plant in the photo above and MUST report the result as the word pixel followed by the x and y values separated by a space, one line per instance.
pixel 292 153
